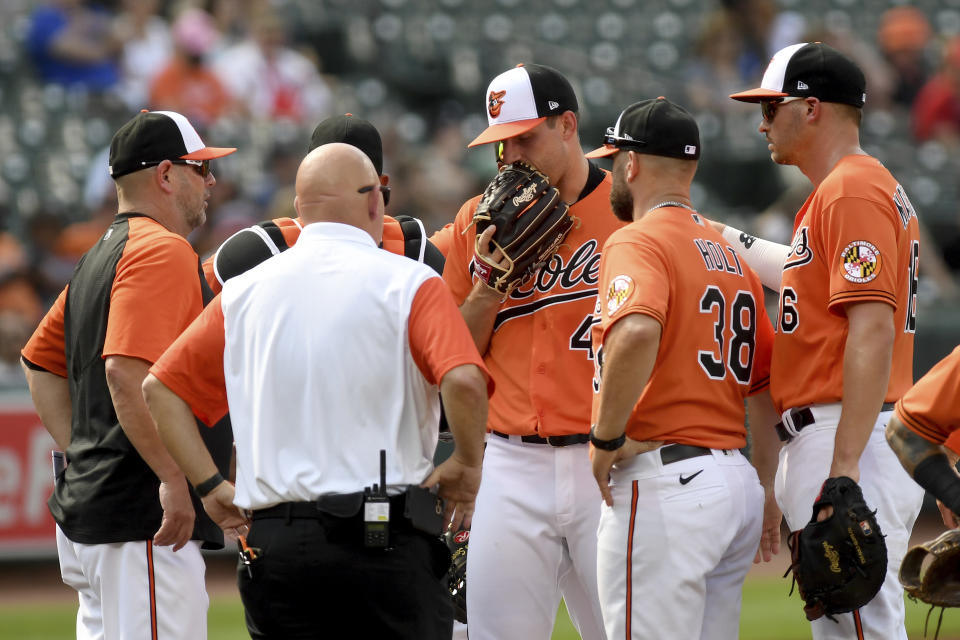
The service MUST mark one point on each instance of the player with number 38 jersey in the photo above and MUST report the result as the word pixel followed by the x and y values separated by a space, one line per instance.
pixel 717 338
pixel 855 239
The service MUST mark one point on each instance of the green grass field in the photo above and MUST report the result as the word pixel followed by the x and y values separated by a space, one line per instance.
pixel 767 615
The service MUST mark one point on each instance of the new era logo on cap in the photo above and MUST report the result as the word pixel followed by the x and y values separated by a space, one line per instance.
pixel 521 98
pixel 690 150
pixel 810 70
pixel 151 137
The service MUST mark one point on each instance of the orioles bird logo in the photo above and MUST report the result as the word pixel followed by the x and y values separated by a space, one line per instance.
pixel 495 102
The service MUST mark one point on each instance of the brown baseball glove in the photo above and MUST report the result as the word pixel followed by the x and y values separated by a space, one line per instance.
pixel 930 572
pixel 531 222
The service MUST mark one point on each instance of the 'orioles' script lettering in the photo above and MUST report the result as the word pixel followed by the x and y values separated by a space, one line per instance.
pixel 583 267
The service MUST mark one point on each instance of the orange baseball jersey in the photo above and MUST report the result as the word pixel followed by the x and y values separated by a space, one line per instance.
pixel 855 240
pixel 931 408
pixel 716 337
pixel 540 353
pixel 193 365
pixel 442 238
pixel 133 328
pixel 251 246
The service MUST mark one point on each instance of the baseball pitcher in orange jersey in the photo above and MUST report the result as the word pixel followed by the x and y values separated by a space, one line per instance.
pixel 534 531
pixel 683 339
pixel 843 352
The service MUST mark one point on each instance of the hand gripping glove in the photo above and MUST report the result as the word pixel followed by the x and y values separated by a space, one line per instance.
pixel 930 572
pixel 457 574
pixel 838 564
pixel 531 222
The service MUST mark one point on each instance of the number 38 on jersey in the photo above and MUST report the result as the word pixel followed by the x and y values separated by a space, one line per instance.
pixel 734 334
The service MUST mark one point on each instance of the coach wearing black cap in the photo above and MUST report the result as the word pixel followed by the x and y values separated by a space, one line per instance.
pixel 843 354
pixel 129 528
pixel 668 403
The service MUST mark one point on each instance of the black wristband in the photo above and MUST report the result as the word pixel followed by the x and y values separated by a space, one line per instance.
pixel 936 475
pixel 607 445
pixel 208 485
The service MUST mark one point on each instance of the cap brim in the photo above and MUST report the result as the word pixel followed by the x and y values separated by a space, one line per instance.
pixel 758 95
pixel 602 152
pixel 506 130
pixel 209 153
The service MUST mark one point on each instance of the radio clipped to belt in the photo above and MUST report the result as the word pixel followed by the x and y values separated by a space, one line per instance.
pixel 376 510
pixel 422 510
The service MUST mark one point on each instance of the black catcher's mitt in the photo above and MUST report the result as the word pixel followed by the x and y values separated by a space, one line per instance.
pixel 457 575
pixel 531 221
pixel 838 564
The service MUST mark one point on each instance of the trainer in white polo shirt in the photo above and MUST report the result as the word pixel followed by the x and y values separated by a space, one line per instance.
pixel 326 355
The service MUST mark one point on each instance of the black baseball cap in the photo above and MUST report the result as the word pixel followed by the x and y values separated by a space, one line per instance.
pixel 656 127
pixel 523 97
pixel 151 137
pixel 351 130
pixel 810 70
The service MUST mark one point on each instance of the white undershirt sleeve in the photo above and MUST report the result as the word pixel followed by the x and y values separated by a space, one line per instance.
pixel 764 257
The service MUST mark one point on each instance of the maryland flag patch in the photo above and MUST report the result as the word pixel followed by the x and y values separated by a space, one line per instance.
pixel 619 292
pixel 860 262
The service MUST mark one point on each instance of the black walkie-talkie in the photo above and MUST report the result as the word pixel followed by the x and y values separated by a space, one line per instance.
pixel 376 511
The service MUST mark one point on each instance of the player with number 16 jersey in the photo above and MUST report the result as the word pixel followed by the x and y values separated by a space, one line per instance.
pixel 855 240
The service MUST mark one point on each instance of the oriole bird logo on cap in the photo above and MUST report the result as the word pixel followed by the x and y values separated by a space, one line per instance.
pixel 494 102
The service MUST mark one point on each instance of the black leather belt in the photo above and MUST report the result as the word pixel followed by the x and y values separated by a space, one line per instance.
pixel 343 506
pixel 553 441
pixel 677 452
pixel 803 418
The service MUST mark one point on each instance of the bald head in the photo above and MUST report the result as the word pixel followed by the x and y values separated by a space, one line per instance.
pixel 328 187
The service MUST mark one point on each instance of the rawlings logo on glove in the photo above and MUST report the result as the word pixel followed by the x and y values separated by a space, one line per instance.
pixel 531 223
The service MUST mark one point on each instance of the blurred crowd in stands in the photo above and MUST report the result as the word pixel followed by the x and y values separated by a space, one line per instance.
pixel 259 74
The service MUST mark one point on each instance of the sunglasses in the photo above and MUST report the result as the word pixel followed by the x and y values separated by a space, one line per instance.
pixel 611 139
pixel 202 167
pixel 384 189
pixel 769 107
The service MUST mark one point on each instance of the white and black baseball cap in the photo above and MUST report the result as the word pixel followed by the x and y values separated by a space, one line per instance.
pixel 810 70
pixel 656 127
pixel 151 137
pixel 523 97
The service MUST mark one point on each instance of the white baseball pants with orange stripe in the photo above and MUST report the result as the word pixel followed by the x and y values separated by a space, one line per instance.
pixel 533 540
pixel 804 465
pixel 134 590
pixel 672 556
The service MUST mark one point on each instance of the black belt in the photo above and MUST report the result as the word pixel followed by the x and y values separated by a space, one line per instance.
pixel 677 452
pixel 803 418
pixel 553 441
pixel 340 506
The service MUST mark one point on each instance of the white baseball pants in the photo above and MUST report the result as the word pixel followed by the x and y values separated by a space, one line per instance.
pixel 673 555
pixel 804 465
pixel 533 541
pixel 133 590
